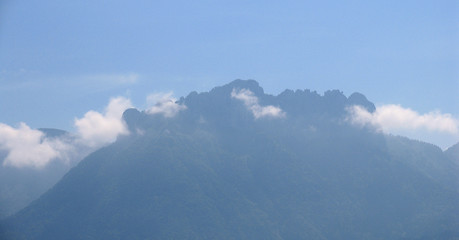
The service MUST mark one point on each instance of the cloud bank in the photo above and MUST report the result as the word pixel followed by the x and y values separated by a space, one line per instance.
pixel 29 147
pixel 163 103
pixel 395 119
pixel 251 102
pixel 26 147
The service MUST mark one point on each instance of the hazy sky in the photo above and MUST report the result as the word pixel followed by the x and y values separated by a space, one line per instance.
pixel 59 59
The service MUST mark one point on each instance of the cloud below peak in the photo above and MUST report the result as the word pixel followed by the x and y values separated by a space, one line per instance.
pixel 96 129
pixel 251 102
pixel 163 103
pixel 27 147
pixel 396 119
pixel 30 147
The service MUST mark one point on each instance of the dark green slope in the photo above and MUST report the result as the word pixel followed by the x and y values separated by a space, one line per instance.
pixel 215 172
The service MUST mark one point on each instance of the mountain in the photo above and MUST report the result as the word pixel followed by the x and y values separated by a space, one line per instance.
pixel 241 164
pixel 453 153
pixel 20 186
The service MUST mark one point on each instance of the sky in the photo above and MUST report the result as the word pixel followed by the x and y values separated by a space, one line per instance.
pixel 59 60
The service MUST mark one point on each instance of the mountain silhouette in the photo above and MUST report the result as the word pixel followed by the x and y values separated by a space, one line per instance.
pixel 453 153
pixel 217 170
pixel 20 186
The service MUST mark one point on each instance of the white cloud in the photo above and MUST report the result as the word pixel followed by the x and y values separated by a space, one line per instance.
pixel 96 129
pixel 27 147
pixel 251 102
pixel 163 103
pixel 395 119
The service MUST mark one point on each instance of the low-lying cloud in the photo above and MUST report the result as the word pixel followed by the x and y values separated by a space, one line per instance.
pixel 393 117
pixel 396 119
pixel 96 129
pixel 251 102
pixel 27 147
pixel 163 103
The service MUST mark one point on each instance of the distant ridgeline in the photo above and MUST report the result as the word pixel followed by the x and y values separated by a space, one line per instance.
pixel 236 163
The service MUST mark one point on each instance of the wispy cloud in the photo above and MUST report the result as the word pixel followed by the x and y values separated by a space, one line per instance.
pixel 96 129
pixel 163 103
pixel 113 79
pixel 251 102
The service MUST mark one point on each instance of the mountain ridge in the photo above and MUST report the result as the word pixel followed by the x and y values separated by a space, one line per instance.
pixel 215 170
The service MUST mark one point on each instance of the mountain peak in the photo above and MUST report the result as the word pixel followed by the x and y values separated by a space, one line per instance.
pixel 219 106
pixel 131 116
pixel 360 99
pixel 251 85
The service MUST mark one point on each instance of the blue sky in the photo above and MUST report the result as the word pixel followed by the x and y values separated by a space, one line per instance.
pixel 59 59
